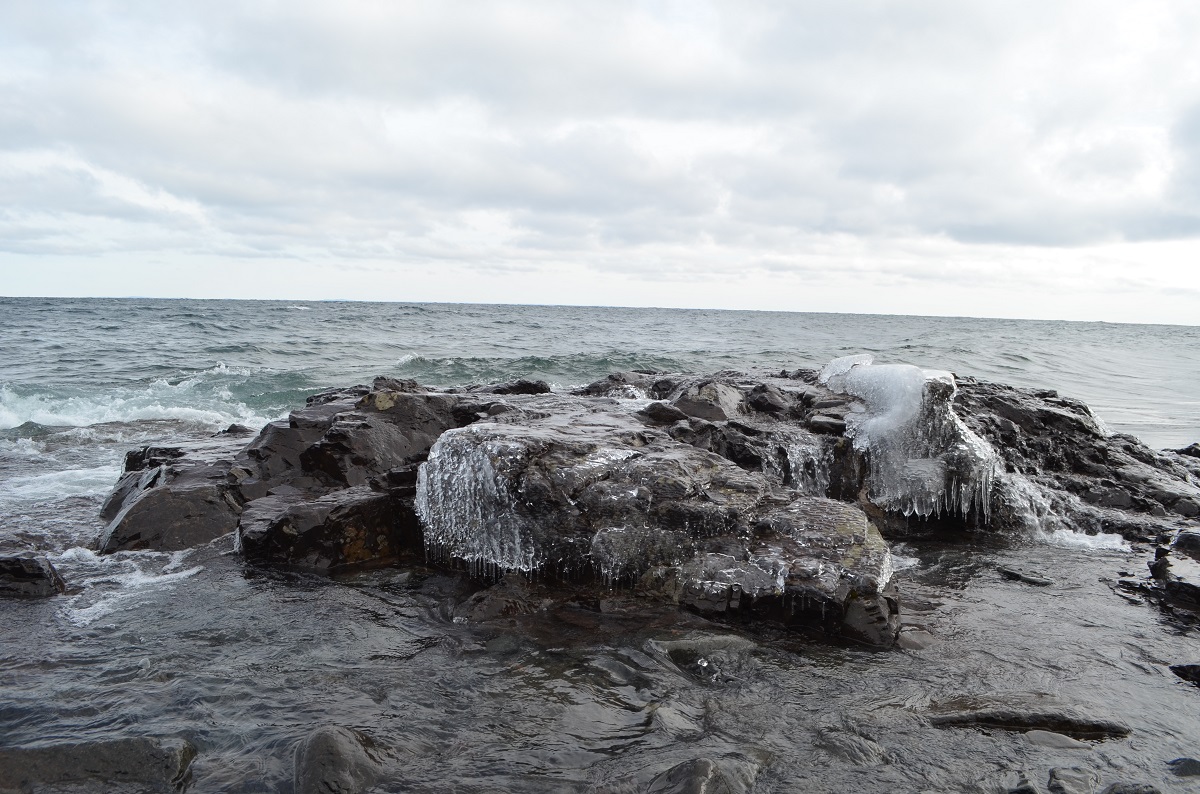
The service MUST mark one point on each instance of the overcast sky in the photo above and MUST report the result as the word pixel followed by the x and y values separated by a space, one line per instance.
pixel 1012 159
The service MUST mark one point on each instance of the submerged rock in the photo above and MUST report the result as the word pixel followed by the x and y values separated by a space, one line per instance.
pixel 154 764
pixel 1072 780
pixel 1030 712
pixel 707 776
pixel 29 576
pixel 335 760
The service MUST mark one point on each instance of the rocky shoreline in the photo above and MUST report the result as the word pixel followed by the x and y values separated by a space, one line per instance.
pixel 765 500
pixel 747 497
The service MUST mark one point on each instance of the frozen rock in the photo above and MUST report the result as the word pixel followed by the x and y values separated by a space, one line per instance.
pixel 922 459
pixel 575 488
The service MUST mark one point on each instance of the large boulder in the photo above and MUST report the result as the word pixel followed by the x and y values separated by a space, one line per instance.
pixel 577 488
pixel 1064 470
pixel 175 507
pixel 173 497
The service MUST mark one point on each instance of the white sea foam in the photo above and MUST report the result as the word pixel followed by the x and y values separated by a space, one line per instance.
pixel 159 400
pixel 1081 540
pixel 113 583
pixel 49 486
pixel 24 449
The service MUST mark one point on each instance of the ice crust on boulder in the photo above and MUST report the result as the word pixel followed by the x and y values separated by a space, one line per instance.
pixel 468 510
pixel 922 459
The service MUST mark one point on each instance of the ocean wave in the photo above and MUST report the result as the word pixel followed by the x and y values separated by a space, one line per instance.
pixel 562 371
pixel 211 398
pixel 56 485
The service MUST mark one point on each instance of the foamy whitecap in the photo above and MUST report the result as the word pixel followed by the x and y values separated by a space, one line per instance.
pixel 113 583
pixel 94 481
pixel 157 401
pixel 1081 540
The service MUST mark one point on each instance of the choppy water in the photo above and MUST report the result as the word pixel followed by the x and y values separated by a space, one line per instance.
pixel 244 663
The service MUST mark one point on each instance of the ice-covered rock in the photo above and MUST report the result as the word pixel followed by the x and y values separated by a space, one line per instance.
pixel 921 458
pixel 575 487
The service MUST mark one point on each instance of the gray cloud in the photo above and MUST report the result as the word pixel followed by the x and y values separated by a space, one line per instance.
pixel 680 137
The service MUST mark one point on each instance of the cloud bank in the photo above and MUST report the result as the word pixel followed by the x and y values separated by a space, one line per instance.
pixel 1004 159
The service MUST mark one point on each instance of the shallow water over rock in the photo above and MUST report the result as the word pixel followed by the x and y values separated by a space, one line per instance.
pixel 602 695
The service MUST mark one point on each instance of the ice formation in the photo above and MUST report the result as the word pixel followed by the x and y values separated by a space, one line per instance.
pixel 801 461
pixel 460 492
pixel 922 458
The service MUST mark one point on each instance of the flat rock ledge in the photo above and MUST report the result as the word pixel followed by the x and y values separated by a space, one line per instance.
pixel 744 497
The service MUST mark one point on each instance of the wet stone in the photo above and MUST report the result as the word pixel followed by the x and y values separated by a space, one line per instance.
pixel 335 760
pixel 1024 712
pixel 114 764
pixel 28 576
pixel 1072 780
pixel 706 776
pixel 1054 741
pixel 1028 577
pixel 1185 767
pixel 1188 672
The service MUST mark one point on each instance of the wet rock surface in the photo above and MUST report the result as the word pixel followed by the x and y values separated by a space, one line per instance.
pixel 745 497
pixel 1025 712
pixel 28 576
pixel 134 764
pixel 336 760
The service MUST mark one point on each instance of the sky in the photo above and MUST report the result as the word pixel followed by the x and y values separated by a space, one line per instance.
pixel 1001 159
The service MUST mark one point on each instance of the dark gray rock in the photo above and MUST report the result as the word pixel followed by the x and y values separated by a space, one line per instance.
pixel 336 760
pixel 185 506
pixel 663 413
pixel 1192 450
pixel 173 498
pixel 709 399
pixel 1187 543
pixel 1035 579
pixel 576 488
pixel 353 527
pixel 386 429
pixel 1188 672
pixel 28 576
pixel 1089 479
pixel 821 423
pixel 1185 767
pixel 520 386
pixel 161 765
pixel 767 398
pixel 1024 712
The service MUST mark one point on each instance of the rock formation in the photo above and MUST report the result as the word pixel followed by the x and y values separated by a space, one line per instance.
pixel 749 497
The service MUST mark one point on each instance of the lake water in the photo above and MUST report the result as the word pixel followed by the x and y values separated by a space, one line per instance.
pixel 243 663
